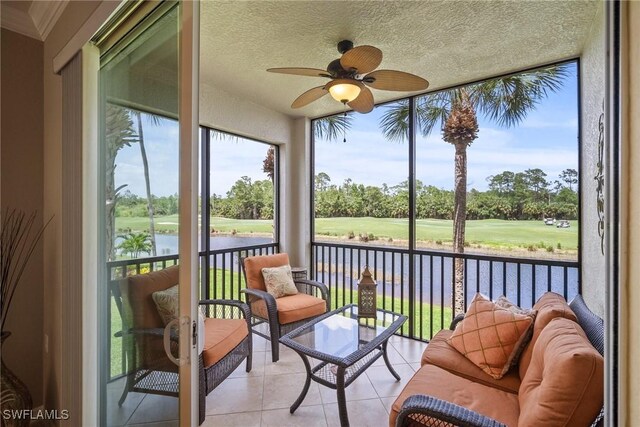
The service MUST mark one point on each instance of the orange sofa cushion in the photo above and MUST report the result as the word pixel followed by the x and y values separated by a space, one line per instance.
pixel 253 268
pixel 442 384
pixel 548 307
pixel 443 355
pixel 490 336
pixel 292 308
pixel 564 385
pixel 220 337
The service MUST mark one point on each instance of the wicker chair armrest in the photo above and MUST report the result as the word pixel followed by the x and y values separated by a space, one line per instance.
pixel 455 321
pixel 421 406
pixel 243 307
pixel 269 300
pixel 324 291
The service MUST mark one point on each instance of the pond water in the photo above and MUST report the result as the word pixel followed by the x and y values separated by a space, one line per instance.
pixel 433 274
pixel 167 244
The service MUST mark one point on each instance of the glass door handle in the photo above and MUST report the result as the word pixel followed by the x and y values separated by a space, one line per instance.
pixel 180 322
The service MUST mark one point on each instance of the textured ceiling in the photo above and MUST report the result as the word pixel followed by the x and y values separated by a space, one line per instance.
pixel 445 42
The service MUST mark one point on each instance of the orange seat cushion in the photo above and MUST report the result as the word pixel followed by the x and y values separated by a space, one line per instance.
pixel 220 337
pixel 442 384
pixel 253 268
pixel 490 336
pixel 292 308
pixel 564 385
pixel 443 355
pixel 548 307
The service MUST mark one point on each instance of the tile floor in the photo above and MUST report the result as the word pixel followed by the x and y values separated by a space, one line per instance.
pixel 262 397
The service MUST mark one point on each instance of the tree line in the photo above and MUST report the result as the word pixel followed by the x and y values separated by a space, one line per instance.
pixel 523 195
pixel 526 195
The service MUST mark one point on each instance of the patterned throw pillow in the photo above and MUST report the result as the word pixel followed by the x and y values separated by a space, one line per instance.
pixel 503 302
pixel 279 281
pixel 491 336
pixel 167 304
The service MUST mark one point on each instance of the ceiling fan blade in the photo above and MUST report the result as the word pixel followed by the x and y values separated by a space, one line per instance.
pixel 364 102
pixel 363 59
pixel 312 72
pixel 395 80
pixel 309 96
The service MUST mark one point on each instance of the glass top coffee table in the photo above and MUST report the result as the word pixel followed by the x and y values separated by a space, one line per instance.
pixel 345 346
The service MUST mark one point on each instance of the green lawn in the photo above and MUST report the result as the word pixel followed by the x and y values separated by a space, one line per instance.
pixel 491 232
pixel 338 299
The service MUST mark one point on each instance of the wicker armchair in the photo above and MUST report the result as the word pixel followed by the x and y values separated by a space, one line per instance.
pixel 422 410
pixel 284 314
pixel 227 338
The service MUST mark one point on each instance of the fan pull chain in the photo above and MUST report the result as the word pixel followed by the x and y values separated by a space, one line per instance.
pixel 344 129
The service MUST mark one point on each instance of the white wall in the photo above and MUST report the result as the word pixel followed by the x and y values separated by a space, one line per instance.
pixel 593 93
pixel 223 111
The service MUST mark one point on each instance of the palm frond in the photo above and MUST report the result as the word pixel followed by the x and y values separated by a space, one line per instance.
pixel 508 100
pixel 332 127
pixel 394 123
pixel 222 136
pixel 434 108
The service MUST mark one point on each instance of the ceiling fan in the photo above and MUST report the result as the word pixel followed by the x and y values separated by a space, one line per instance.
pixel 351 74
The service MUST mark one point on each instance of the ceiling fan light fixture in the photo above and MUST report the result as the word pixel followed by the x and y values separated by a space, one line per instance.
pixel 343 90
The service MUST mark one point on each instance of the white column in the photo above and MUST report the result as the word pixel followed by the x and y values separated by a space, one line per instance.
pixel 295 236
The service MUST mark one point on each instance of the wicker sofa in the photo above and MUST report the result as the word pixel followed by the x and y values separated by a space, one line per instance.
pixel 559 379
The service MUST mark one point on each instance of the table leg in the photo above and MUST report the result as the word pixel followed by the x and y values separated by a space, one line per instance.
pixel 307 383
pixel 342 403
pixel 386 360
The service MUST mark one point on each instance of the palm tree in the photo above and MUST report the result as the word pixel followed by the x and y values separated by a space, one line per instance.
pixel 504 100
pixel 118 133
pixel 135 243
pixel 154 120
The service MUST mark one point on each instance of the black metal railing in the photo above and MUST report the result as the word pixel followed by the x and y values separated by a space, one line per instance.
pixel 423 287
pixel 220 277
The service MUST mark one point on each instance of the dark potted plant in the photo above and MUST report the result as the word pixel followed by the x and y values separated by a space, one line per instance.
pixel 18 239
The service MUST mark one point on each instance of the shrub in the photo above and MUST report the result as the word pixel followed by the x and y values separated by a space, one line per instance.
pixel 550 248
pixel 559 245
pixel 532 248
pixel 371 236
pixel 234 232
pixel 363 237
pixel 541 245
pixel 351 235
pixel 438 242
pixel 467 244
pixel 390 239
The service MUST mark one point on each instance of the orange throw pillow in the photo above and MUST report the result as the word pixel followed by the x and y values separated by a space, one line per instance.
pixel 490 336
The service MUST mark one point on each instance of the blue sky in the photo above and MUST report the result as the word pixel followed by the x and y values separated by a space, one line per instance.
pixel 547 139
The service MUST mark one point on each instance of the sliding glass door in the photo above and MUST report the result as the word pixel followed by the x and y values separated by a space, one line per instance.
pixel 148 145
